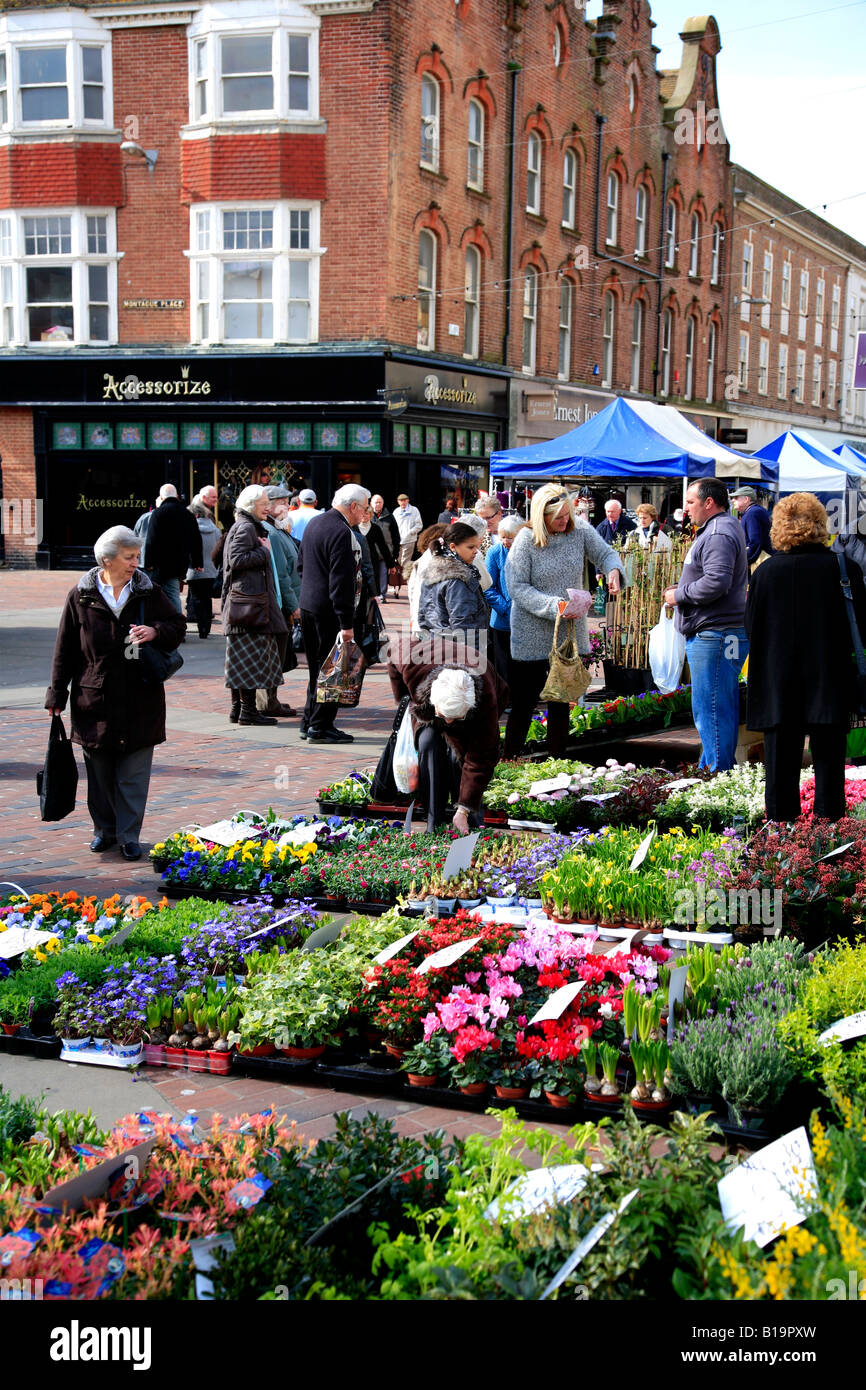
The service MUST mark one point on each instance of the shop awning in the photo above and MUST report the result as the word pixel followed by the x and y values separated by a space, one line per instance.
pixel 631 439
pixel 851 458
pixel 807 466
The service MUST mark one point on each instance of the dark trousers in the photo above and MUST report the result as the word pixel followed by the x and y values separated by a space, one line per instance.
pixel 199 604
pixel 438 777
pixel 117 786
pixel 783 758
pixel 526 684
pixel 320 633
pixel 499 647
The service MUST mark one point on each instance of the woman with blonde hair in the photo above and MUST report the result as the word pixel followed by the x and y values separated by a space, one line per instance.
pixel 801 658
pixel 545 561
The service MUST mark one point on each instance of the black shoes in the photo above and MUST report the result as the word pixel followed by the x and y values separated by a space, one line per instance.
pixel 329 736
pixel 131 850
pixel 303 731
pixel 101 842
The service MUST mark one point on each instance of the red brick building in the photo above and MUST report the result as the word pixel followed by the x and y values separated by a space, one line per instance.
pixel 342 239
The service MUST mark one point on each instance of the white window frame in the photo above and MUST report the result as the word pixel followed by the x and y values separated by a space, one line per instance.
pixel 530 319
pixel 613 196
pixel 427 293
pixel 641 218
pixel 636 344
pixel 670 238
pixel 608 336
pixel 782 373
pixel 248 19
pixel 472 303
pixel 534 158
pixel 665 355
pixel 835 309
pixel 475 145
pixel 711 360
pixel 569 189
pixel 800 379
pixel 785 298
pixel 691 338
pixel 716 257
pixel 557 46
pixel 831 384
pixel 817 378
pixel 431 123
pixel 695 245
pixel 26 32
pixel 632 94
pixel 566 315
pixel 15 261
pixel 743 362
pixel 746 281
pixel 767 289
pixel 763 366
pixel 819 312
pixel 209 254
pixel 803 304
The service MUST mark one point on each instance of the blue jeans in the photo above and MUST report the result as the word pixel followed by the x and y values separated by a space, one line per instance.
pixel 171 589
pixel 716 658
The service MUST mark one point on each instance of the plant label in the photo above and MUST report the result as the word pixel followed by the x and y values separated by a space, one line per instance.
pixel 623 946
pixel 447 956
pixel 262 931
pixel 395 948
pixel 642 851
pixel 551 784
pixel 676 994
pixel 302 834
pixel 558 1002
pixel 854 1026
pixel 460 854
pixel 589 1240
pixel 17 940
pixel 831 854
pixel 323 936
pixel 204 1260
pixel 226 832
pixel 681 783
pixel 543 827
pixel 774 1189
pixel 407 821
pixel 538 1189
pixel 600 797
pixel 94 1183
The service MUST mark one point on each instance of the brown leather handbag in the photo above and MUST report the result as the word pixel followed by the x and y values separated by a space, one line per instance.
pixel 247 610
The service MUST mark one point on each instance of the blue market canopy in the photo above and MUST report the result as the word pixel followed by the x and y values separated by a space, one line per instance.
pixel 630 439
pixel 851 457
pixel 805 465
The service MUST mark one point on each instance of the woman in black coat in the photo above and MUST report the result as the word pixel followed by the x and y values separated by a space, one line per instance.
pixel 801 659
pixel 117 713
pixel 252 617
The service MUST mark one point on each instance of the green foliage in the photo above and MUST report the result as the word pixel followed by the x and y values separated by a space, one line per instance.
pixel 31 1140
pixel 834 988
pixel 162 933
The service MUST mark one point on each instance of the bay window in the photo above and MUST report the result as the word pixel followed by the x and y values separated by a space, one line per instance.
pixel 267 67
pixel 55 71
pixel 58 277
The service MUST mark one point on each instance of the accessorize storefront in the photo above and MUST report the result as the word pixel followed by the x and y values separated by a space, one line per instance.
pixel 110 429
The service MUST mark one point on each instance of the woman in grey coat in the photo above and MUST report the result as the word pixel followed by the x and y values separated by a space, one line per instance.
pixel 199 608
pixel 547 559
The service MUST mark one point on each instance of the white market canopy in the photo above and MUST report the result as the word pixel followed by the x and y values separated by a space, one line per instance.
pixel 805 465
pixel 631 439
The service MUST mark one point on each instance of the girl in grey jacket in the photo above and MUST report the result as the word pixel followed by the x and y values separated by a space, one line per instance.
pixel 451 598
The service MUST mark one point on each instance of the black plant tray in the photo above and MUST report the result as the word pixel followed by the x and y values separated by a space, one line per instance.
pixel 25 1043
pixel 227 895
pixel 274 1068
pixel 360 1076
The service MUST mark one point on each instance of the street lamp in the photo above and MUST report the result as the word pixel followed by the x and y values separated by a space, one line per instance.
pixel 149 156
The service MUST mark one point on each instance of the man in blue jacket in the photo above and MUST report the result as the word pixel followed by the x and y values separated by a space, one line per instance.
pixel 755 521
pixel 710 600
pixel 616 524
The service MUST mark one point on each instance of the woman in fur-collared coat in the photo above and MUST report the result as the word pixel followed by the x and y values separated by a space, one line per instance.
pixel 451 598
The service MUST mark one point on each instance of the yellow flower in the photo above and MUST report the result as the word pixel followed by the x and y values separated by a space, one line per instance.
pixel 95 940
pixel 820 1142
pixel 161 845
pixel 40 956
pixel 283 853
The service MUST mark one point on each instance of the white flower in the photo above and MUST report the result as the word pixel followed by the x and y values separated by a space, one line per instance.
pixel 606 1010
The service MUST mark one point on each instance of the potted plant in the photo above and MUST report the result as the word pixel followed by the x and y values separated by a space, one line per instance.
pixel 606 1091
pixel 219 1055
pixel 155 1015
pixel 512 1076
pixel 176 1047
pixel 422 1064
pixel 126 1040
pixel 650 1061
pixel 196 1057
pixel 14 1013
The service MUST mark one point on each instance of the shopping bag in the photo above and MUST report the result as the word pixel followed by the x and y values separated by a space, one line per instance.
pixel 383 787
pixel 371 635
pixel 567 678
pixel 667 652
pixel 57 783
pixel 341 676
pixel 406 755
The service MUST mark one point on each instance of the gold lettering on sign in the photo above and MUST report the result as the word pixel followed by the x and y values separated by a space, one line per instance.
pixel 132 388
pixel 443 395
pixel 90 504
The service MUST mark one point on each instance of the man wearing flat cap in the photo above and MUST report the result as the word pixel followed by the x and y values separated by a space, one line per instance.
pixel 755 521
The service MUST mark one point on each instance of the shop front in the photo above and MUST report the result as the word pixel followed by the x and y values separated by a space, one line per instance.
pixel 116 428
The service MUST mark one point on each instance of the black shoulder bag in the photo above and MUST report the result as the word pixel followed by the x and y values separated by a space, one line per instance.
pixel 155 665
pixel 859 658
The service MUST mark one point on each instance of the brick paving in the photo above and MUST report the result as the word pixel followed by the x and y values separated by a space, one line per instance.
pixel 207 769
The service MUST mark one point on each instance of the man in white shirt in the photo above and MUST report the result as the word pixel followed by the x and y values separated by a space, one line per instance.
pixel 410 526
pixel 305 512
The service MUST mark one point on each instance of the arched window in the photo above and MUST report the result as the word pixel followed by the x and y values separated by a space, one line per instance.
pixel 716 260
pixel 530 317
pixel 569 189
pixel 670 233
pixel 612 209
pixel 711 362
pixel 608 329
pixel 566 301
pixel 636 344
pixel 533 172
pixel 632 94
pixel 475 154
pixel 429 122
pixel 557 46
pixel 690 357
pixel 641 218
pixel 426 289
pixel 667 331
pixel 472 310
pixel 695 245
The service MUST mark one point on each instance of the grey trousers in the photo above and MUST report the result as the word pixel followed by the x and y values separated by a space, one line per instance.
pixel 117 786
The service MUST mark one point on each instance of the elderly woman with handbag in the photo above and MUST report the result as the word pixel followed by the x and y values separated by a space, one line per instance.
pixel 252 618
pixel 547 559
pixel 802 671
pixel 113 647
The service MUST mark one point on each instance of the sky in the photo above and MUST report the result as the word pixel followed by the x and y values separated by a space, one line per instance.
pixel 792 91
